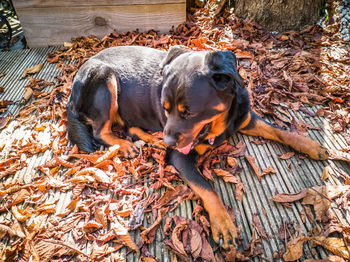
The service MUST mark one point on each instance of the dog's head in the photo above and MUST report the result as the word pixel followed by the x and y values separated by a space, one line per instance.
pixel 198 90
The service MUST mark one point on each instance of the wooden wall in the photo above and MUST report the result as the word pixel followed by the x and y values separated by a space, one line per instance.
pixel 53 22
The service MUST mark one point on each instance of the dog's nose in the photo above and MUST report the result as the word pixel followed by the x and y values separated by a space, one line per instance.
pixel 170 140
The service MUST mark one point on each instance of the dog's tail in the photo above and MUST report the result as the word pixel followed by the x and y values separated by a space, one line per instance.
pixel 78 132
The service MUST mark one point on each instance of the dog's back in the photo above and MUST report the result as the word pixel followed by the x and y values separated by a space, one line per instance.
pixel 136 71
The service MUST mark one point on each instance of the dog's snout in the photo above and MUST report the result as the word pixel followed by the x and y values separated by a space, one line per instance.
pixel 170 138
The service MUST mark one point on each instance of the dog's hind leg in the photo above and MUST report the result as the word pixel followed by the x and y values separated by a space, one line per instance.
pixel 255 126
pixel 107 107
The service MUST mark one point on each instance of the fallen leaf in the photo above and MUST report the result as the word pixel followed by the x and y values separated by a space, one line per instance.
pixel 259 228
pixel 286 155
pixel 170 196
pixel 268 170
pixel 294 249
pixel 4 120
pixel 325 173
pixel 226 176
pixel 196 243
pixel 339 155
pixel 175 238
pixel 232 161
pixel 287 198
pixel 149 234
pixel 251 161
pixel 32 70
pixel 336 245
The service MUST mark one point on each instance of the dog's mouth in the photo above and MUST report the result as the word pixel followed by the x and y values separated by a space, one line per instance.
pixel 200 137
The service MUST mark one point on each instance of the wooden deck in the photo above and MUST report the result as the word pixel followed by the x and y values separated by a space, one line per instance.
pixel 292 175
pixel 48 23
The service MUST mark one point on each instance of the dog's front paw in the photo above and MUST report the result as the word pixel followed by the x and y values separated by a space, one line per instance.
pixel 127 149
pixel 316 151
pixel 223 228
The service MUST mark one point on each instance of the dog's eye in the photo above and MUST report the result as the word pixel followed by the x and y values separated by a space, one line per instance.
pixel 186 114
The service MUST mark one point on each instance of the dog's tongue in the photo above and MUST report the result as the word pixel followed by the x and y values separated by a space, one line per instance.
pixel 185 150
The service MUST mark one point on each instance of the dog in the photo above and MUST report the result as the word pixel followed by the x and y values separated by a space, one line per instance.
pixel 197 98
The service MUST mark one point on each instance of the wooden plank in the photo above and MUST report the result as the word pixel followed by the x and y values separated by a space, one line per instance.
pixel 54 26
pixel 20 4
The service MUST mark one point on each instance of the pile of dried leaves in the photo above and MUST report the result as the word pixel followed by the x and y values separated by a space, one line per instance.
pixel 106 198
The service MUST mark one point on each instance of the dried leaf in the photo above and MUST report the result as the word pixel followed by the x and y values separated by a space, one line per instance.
pixel 336 245
pixel 32 70
pixel 196 243
pixel 268 170
pixel 226 176
pixel 170 196
pixel 27 94
pixel 287 198
pixel 251 161
pixel 325 173
pixel 149 234
pixel 286 155
pixel 232 162
pixel 259 228
pixel 4 120
pixel 175 238
pixel 294 249
pixel 339 155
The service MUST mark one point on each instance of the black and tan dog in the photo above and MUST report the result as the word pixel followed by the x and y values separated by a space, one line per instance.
pixel 196 98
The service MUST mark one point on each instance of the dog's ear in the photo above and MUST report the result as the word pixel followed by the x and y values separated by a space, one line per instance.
pixel 173 52
pixel 222 80
pixel 224 69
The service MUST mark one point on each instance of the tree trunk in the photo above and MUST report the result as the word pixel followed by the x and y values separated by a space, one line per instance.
pixel 280 15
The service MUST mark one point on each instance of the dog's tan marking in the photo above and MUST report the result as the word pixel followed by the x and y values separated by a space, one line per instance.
pixel 112 85
pixel 166 105
pixel 218 125
pixel 202 148
pixel 220 107
pixel 181 108
pixel 246 121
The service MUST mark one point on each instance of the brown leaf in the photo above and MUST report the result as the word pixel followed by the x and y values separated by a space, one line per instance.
pixel 259 228
pixel 229 178
pixel 226 176
pixel 4 229
pixel 325 173
pixel 149 234
pixel 207 253
pixel 336 245
pixel 32 70
pixel 286 155
pixel 319 197
pixel 4 120
pixel 69 208
pixel 101 217
pixel 287 198
pixel 196 243
pixel 27 94
pixel 232 162
pixel 251 161
pixel 99 251
pixel 268 170
pixel 294 249
pixel 175 238
pixel 339 155
pixel 170 196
